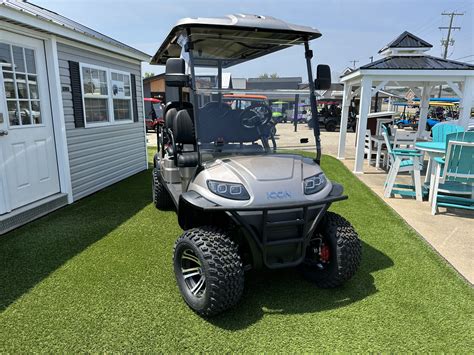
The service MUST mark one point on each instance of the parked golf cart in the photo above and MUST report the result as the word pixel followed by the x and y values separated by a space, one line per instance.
pixel 279 111
pixel 241 205
pixel 155 116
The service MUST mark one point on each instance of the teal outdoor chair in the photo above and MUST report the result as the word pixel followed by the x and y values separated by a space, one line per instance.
pixel 454 177
pixel 403 160
pixel 440 131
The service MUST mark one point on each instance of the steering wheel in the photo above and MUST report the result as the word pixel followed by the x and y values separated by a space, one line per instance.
pixel 255 115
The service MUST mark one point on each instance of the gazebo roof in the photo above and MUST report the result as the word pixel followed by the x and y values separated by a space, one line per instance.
pixel 417 63
pixel 407 40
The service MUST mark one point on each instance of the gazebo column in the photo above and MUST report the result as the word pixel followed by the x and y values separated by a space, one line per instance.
pixel 346 103
pixel 466 102
pixel 424 108
pixel 364 108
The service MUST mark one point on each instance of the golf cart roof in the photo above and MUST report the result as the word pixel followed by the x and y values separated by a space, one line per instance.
pixel 245 96
pixel 232 39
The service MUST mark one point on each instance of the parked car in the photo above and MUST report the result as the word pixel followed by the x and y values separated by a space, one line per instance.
pixel 155 116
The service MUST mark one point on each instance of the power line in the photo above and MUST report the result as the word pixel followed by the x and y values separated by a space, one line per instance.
pixel 467 56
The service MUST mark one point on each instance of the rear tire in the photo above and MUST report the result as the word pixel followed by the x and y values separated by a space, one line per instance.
pixel 161 197
pixel 334 253
pixel 330 126
pixel 208 270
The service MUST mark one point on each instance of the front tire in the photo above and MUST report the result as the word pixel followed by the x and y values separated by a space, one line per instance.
pixel 208 270
pixel 161 197
pixel 334 253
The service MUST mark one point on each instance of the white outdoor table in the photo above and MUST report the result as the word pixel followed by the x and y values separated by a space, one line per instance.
pixel 433 149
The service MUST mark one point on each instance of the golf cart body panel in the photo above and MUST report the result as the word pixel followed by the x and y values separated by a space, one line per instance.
pixel 276 234
pixel 269 179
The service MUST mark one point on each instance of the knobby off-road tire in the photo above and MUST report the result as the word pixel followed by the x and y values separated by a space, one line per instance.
pixel 345 251
pixel 161 197
pixel 218 260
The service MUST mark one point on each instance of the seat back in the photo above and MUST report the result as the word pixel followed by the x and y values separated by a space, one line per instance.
pixel 459 162
pixel 404 139
pixel 183 127
pixel 440 131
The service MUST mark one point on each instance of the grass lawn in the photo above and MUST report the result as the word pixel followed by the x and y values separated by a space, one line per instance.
pixel 97 276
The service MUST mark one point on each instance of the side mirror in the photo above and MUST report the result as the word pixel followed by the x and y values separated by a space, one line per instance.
pixel 323 77
pixel 175 73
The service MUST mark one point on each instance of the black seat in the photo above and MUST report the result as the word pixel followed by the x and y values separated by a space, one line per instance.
pixel 183 130
pixel 183 127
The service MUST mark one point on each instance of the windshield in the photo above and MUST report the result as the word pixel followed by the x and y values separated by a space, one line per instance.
pixel 158 109
pixel 230 122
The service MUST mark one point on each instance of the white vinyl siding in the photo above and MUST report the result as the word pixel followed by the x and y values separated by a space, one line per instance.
pixel 101 155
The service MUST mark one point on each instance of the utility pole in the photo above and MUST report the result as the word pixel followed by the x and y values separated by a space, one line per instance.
pixel 448 41
pixel 353 63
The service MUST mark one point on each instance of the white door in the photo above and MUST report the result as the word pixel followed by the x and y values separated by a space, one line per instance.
pixel 29 169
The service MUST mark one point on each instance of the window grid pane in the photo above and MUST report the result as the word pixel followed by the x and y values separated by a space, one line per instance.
pixel 94 82
pixel 122 110
pixel 97 110
pixel 21 89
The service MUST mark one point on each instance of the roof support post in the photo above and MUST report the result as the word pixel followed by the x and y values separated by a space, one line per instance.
pixel 424 107
pixel 390 104
pixel 364 109
pixel 466 102
pixel 314 105
pixel 219 80
pixel 346 103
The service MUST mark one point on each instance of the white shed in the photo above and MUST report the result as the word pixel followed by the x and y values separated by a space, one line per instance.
pixel 404 63
pixel 71 112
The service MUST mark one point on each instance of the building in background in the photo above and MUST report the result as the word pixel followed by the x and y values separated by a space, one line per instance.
pixel 71 112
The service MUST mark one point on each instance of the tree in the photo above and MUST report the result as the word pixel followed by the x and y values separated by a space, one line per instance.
pixel 268 76
pixel 149 74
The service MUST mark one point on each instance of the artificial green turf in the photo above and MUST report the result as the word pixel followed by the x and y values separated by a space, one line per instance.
pixel 97 276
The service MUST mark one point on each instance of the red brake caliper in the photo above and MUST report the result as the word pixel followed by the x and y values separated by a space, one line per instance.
pixel 325 253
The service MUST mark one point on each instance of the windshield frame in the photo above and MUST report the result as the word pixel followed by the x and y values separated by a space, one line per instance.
pixel 188 55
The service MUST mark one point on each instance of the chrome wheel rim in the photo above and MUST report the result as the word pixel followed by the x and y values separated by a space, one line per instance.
pixel 192 273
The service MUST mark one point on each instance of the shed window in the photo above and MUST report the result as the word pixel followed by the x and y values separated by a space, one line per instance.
pixel 122 98
pixel 106 96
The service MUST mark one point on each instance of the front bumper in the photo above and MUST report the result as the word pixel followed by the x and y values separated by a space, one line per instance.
pixel 281 232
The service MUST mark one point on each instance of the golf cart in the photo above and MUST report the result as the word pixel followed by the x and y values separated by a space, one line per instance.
pixel 241 204
pixel 279 111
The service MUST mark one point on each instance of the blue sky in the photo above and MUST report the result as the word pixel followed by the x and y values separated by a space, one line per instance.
pixel 351 30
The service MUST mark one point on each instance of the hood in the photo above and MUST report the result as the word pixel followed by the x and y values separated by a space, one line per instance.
pixel 265 168
pixel 274 178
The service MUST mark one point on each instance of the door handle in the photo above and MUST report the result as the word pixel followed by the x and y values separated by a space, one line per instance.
pixel 3 132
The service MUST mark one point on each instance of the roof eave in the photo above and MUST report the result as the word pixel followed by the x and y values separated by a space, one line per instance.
pixel 50 27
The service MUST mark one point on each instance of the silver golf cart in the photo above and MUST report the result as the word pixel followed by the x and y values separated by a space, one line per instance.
pixel 241 203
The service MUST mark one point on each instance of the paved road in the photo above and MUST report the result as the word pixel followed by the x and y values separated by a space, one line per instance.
pixel 287 138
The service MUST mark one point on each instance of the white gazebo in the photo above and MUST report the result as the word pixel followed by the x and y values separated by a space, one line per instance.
pixel 404 64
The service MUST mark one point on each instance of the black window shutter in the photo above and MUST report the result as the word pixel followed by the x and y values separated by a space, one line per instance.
pixel 76 91
pixel 134 97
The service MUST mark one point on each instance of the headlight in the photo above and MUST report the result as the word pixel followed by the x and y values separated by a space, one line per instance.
pixel 233 191
pixel 314 184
